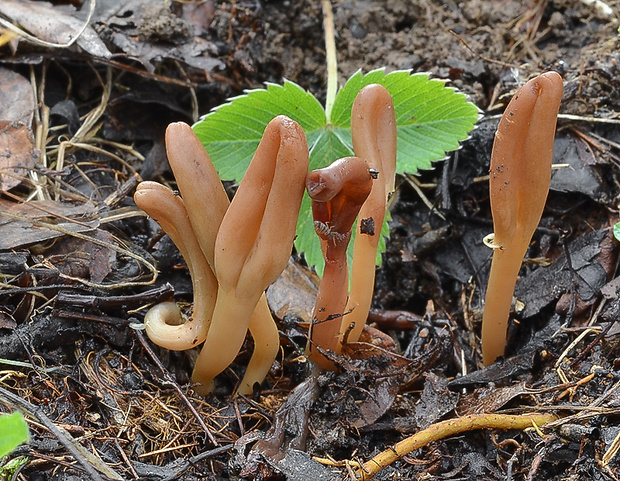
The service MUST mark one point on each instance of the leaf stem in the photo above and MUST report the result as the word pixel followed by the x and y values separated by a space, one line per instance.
pixel 330 57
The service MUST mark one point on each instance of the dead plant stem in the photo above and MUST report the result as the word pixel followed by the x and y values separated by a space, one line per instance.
pixel 330 56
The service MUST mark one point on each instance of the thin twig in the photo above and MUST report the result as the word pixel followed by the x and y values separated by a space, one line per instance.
pixel 196 459
pixel 115 248
pixel 486 59
pixel 412 182
pixel 447 428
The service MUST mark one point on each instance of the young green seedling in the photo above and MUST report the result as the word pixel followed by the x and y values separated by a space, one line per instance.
pixel 520 174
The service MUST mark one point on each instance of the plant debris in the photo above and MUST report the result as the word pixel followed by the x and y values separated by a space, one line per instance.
pixel 80 264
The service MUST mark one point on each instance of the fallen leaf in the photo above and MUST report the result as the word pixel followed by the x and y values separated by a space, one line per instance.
pixel 293 293
pixel 591 257
pixel 25 224
pixel 17 102
pixel 52 24
pixel 7 321
pixel 152 33
pixel 17 154
pixel 436 400
pixel 490 399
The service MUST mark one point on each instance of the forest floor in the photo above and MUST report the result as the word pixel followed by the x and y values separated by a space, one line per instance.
pixel 80 126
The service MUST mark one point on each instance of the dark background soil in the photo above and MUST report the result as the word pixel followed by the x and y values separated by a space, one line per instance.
pixel 90 372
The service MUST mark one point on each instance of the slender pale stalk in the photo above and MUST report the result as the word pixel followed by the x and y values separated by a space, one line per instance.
pixel 373 128
pixel 520 174
pixel 451 427
pixel 164 324
pixel 337 193
pixel 254 241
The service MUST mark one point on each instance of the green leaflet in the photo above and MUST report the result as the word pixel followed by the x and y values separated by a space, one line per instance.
pixel 431 120
pixel 13 432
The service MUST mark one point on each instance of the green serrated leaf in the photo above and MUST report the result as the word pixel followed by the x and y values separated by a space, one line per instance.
pixel 431 121
pixel 13 432
pixel 232 132
pixel 617 231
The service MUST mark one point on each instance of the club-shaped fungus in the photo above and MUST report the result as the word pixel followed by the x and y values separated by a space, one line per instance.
pixel 254 241
pixel 194 224
pixel 373 130
pixel 520 174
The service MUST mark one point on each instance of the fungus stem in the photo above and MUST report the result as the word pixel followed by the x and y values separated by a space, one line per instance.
pixel 337 192
pixel 266 337
pixel 163 322
pixel 222 345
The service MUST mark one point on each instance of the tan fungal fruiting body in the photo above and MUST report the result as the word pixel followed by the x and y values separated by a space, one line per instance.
pixel 337 193
pixel 254 241
pixel 373 129
pixel 163 322
pixel 520 174
pixel 200 185
pixel 194 231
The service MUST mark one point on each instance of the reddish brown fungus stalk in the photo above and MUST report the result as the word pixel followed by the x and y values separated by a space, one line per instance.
pixel 520 174
pixel 337 193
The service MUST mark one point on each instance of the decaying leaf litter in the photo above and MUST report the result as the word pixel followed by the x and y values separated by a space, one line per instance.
pixel 80 262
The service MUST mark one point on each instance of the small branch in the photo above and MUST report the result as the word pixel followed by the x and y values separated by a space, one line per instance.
pixel 130 301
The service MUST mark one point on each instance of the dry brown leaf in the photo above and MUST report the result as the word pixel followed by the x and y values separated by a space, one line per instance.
pixel 29 228
pixel 17 153
pixel 293 293
pixel 52 24
pixel 17 102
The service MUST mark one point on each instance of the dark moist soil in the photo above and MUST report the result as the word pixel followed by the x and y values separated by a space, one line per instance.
pixel 93 375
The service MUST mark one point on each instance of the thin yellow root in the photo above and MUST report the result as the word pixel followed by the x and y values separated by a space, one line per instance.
pixel 447 428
